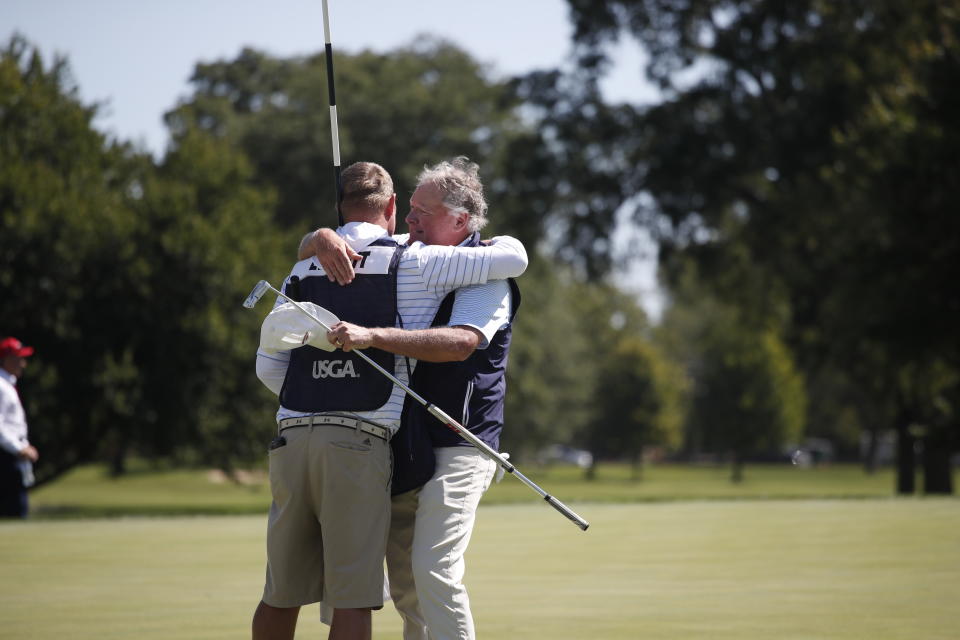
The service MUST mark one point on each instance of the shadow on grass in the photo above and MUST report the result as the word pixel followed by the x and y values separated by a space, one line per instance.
pixel 78 512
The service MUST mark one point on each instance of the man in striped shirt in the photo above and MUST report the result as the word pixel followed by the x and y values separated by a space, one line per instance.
pixel 324 540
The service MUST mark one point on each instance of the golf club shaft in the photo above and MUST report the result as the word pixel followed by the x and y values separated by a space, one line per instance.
pixel 334 127
pixel 487 450
pixel 438 413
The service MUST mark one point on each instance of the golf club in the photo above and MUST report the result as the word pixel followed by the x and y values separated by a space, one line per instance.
pixel 334 129
pixel 263 286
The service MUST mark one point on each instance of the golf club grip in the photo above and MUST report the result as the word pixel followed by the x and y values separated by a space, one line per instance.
pixel 565 510
pixel 440 415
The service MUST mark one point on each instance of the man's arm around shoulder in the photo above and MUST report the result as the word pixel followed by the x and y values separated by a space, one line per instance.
pixel 332 252
pixel 505 257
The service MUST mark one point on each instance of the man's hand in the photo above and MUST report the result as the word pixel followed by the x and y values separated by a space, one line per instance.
pixel 335 255
pixel 350 336
pixel 30 453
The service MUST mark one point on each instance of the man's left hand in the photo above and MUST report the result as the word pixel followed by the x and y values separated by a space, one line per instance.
pixel 334 255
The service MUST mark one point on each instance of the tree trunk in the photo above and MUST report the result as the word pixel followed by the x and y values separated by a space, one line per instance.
pixel 118 461
pixel 906 462
pixel 870 456
pixel 736 475
pixel 636 465
pixel 937 470
pixel 590 473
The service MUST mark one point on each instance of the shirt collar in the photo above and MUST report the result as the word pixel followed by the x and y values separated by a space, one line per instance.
pixel 9 377
pixel 360 234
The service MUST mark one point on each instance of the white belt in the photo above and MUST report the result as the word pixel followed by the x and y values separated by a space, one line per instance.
pixel 337 420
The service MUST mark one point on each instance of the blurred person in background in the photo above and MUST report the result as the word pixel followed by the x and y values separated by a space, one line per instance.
pixel 17 455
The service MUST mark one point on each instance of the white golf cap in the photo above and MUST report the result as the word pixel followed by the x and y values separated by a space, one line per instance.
pixel 287 327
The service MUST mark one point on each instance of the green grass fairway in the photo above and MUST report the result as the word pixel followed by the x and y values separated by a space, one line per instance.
pixel 839 569
pixel 89 492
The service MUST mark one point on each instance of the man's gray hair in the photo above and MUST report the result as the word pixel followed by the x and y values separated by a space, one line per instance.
pixel 459 181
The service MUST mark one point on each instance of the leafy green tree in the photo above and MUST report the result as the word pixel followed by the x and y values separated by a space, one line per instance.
pixel 128 279
pixel 636 404
pixel 64 278
pixel 552 363
pixel 803 154
pixel 748 397
pixel 745 395
pixel 403 109
pixel 209 240
pixel 575 167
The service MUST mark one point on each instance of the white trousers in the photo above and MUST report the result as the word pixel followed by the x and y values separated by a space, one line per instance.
pixel 429 533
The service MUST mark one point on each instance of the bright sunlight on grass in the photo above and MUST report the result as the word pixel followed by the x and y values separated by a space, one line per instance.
pixel 840 569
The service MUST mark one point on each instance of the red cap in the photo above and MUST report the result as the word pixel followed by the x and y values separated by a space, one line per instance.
pixel 12 346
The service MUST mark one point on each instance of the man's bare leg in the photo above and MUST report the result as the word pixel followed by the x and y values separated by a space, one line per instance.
pixel 273 623
pixel 351 624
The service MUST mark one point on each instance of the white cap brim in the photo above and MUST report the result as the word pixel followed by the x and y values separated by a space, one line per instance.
pixel 287 327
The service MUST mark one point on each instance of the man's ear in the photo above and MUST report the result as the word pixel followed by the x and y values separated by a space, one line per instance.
pixel 462 220
pixel 391 209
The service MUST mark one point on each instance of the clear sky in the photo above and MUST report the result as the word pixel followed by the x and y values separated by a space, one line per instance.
pixel 136 56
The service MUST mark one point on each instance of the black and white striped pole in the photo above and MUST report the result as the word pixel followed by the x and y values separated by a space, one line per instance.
pixel 334 130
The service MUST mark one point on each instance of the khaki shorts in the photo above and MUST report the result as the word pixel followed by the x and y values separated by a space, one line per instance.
pixel 328 525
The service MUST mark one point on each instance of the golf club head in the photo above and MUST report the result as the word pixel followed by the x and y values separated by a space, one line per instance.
pixel 258 290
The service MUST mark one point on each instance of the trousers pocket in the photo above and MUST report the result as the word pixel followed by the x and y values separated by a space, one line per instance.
pixel 356 447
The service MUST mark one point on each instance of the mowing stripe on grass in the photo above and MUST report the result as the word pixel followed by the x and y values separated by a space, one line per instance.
pixel 745 569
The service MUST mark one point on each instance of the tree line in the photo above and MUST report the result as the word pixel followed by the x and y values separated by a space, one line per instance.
pixel 798 189
pixel 804 174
